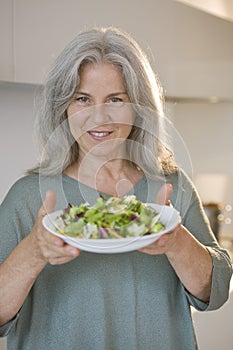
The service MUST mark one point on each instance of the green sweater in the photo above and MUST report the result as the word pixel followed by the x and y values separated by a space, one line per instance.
pixel 125 301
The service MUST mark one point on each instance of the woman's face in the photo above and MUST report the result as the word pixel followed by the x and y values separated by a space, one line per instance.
pixel 100 116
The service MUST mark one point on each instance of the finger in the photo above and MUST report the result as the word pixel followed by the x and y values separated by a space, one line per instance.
pixel 51 239
pixel 49 202
pixel 65 250
pixel 48 205
pixel 164 194
pixel 150 250
pixel 50 251
pixel 60 260
pixel 156 247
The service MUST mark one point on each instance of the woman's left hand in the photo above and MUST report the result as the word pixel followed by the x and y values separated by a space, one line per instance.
pixel 166 241
pixel 189 258
pixel 164 244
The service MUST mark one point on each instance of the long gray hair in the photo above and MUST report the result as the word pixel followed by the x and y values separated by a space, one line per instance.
pixel 142 86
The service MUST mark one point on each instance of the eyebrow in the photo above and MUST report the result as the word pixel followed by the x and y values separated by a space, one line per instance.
pixel 110 95
pixel 118 93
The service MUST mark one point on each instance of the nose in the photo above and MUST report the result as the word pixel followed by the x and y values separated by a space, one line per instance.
pixel 99 114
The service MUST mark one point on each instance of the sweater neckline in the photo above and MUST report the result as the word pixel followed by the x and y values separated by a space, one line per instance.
pixel 77 182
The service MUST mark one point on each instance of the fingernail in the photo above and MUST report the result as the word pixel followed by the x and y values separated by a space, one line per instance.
pixel 57 242
pixel 73 252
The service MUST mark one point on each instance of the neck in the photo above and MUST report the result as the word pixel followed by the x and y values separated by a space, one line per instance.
pixel 115 177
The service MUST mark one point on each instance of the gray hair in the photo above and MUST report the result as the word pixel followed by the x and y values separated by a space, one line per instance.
pixel 97 46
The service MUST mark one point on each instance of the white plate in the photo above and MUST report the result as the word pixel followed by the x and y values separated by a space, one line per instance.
pixel 169 217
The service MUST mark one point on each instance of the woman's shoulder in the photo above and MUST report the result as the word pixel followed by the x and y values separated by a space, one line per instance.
pixel 23 197
pixel 27 185
pixel 179 177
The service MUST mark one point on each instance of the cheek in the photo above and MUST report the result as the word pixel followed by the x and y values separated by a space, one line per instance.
pixel 127 130
pixel 127 123
pixel 76 120
pixel 71 110
pixel 75 125
pixel 129 117
pixel 124 117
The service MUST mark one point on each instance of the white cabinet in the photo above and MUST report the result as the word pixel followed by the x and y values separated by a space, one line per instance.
pixel 41 30
pixel 191 50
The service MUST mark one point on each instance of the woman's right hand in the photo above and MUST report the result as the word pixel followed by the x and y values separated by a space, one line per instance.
pixel 26 261
pixel 52 249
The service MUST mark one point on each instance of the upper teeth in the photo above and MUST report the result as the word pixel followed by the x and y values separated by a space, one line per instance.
pixel 100 134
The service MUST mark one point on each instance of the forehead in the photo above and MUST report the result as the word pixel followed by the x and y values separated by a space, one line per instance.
pixel 101 72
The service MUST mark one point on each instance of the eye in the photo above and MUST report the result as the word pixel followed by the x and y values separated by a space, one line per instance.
pixel 83 100
pixel 116 101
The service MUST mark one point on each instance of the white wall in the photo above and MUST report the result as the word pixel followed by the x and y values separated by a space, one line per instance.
pixel 17 147
pixel 214 328
pixel 207 131
pixel 17 150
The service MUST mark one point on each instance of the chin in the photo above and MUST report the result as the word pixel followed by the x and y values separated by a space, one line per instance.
pixel 105 151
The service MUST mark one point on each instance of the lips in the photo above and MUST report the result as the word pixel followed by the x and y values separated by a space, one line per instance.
pixel 99 135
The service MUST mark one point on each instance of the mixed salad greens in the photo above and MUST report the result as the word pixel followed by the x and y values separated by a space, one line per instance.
pixel 113 217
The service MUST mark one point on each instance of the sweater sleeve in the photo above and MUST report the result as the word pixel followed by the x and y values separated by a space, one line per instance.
pixel 6 328
pixel 188 202
pixel 17 216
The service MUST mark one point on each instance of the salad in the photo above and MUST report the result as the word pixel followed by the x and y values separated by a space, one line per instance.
pixel 113 217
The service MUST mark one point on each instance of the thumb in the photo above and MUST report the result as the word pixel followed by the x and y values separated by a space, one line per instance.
pixel 164 194
pixel 49 203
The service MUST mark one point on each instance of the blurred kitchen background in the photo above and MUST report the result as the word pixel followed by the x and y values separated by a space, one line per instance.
pixel 190 45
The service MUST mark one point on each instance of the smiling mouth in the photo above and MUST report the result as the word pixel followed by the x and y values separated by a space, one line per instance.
pixel 99 134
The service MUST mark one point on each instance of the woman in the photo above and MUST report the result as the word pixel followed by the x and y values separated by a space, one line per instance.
pixel 101 129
